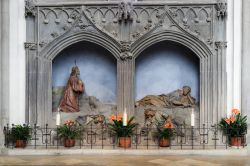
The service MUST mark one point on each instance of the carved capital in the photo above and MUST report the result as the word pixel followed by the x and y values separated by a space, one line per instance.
pixel 30 46
pixel 126 56
pixel 125 11
pixel 125 50
pixel 221 8
pixel 125 46
pixel 220 45
pixel 30 9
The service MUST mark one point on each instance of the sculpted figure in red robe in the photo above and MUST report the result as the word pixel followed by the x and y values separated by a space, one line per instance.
pixel 75 86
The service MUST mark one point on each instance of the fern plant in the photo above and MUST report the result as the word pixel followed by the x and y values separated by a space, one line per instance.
pixel 235 125
pixel 120 130
pixel 69 130
pixel 21 132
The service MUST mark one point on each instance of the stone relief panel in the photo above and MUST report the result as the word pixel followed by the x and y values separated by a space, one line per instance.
pixel 123 28
pixel 105 18
pixel 145 19
pixel 196 20
pixel 140 20
pixel 57 21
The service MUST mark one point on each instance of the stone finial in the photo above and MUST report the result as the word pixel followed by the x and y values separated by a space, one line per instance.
pixel 124 11
pixel 221 8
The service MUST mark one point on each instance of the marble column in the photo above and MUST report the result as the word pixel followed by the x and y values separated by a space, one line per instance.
pixel 245 102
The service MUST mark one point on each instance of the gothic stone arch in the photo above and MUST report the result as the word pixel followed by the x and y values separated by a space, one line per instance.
pixel 125 30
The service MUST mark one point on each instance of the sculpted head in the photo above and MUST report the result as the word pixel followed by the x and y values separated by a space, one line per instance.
pixel 75 71
pixel 186 90
pixel 149 114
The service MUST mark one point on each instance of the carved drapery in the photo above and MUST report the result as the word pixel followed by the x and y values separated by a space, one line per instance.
pixel 126 29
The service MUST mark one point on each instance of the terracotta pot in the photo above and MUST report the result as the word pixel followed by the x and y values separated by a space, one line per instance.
pixel 20 144
pixel 69 143
pixel 236 141
pixel 164 142
pixel 125 142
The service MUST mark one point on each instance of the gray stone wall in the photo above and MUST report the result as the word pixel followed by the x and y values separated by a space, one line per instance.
pixel 4 52
pixel 246 62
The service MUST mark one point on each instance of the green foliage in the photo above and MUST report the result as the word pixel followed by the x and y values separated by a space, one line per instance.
pixel 165 133
pixel 123 131
pixel 162 131
pixel 69 131
pixel 21 132
pixel 234 126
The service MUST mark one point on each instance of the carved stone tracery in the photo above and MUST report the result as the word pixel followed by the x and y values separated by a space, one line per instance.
pixel 126 29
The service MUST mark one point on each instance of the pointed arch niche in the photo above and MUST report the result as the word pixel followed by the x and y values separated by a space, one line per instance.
pixel 97 67
pixel 163 68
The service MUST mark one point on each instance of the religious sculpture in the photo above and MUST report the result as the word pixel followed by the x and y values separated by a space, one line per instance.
pixel 96 120
pixel 178 98
pixel 75 86
pixel 149 116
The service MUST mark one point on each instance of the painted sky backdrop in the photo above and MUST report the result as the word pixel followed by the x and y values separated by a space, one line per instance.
pixel 165 67
pixel 97 70
pixel 162 68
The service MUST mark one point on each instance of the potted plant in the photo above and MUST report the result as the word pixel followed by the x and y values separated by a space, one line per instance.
pixel 164 131
pixel 123 132
pixel 69 132
pixel 235 127
pixel 20 135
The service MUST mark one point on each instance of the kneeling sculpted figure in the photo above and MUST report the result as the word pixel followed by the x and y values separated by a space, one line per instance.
pixel 75 86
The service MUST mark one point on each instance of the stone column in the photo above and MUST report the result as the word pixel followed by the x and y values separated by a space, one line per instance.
pixel 245 102
pixel 125 65
pixel 126 86
pixel 4 52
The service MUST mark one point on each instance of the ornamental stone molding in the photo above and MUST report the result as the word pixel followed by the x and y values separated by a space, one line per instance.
pixel 30 9
pixel 221 8
pixel 125 30
pixel 220 45
pixel 30 46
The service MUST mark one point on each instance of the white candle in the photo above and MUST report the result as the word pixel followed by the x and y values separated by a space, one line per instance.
pixel 125 117
pixel 58 117
pixel 192 118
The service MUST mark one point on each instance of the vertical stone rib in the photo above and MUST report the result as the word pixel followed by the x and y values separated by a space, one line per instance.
pixel 202 91
pixel 209 111
pixel 219 84
pixel 224 80
pixel 206 91
pixel 126 86
pixel 221 69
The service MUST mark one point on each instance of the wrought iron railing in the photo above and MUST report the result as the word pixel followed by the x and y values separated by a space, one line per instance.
pixel 102 138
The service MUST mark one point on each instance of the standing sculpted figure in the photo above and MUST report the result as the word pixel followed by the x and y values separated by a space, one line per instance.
pixel 75 86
